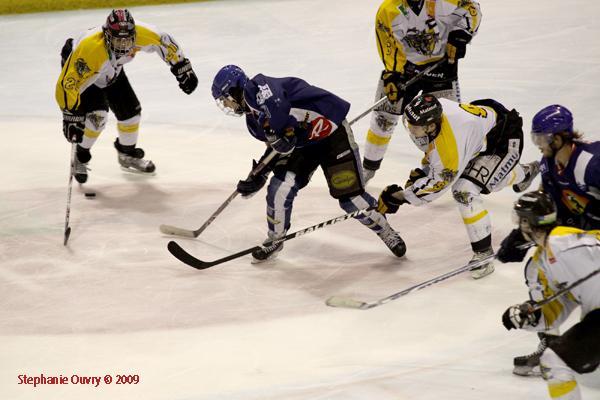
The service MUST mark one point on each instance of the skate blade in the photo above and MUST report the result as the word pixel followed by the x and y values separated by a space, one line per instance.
pixel 527 371
pixel 137 171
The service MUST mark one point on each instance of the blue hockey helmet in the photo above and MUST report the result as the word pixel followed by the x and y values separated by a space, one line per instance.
pixel 549 121
pixel 552 119
pixel 227 89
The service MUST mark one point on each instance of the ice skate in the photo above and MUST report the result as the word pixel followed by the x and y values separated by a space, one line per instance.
pixel 267 252
pixel 531 171
pixel 131 159
pixel 80 171
pixel 529 365
pixel 485 269
pixel 392 240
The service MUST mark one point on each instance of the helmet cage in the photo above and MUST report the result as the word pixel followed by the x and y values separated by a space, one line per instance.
pixel 119 33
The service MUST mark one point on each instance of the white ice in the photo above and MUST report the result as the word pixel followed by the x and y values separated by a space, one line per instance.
pixel 114 301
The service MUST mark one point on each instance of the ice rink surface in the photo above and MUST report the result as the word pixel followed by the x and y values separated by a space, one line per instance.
pixel 114 301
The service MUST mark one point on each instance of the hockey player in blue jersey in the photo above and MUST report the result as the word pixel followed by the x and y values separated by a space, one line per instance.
pixel 570 171
pixel 307 127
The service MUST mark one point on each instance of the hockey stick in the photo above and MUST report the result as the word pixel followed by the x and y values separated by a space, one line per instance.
pixel 192 261
pixel 420 74
pixel 173 230
pixel 68 213
pixel 538 305
pixel 344 302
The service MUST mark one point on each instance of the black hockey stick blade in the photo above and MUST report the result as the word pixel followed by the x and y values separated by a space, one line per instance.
pixel 186 258
pixel 67 234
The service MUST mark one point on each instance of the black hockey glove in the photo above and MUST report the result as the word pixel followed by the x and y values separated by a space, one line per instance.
pixel 73 126
pixel 509 251
pixel 393 85
pixel 283 145
pixel 388 204
pixel 521 315
pixel 185 76
pixel 415 175
pixel 591 214
pixel 253 183
pixel 456 46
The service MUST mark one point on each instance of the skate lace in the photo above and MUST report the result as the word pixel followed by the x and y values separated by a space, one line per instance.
pixel 132 161
pixel 390 237
pixel 80 168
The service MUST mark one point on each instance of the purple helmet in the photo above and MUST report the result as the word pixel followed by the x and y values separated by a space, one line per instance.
pixel 552 119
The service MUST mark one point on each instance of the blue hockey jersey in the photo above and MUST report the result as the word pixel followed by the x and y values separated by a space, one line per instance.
pixel 576 185
pixel 291 103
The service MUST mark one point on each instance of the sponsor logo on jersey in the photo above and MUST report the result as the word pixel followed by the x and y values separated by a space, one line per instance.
pixel 264 92
pixel 82 68
pixel 321 128
pixel 574 202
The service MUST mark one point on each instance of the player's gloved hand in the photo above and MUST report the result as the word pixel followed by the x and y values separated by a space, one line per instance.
pixel 520 316
pixel 185 76
pixel 388 203
pixel 509 250
pixel 393 85
pixel 73 126
pixel 253 183
pixel 456 47
pixel 283 145
pixel 414 176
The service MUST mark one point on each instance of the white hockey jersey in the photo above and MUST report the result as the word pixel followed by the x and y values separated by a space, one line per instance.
pixel 569 255
pixel 421 38
pixel 461 138
pixel 91 64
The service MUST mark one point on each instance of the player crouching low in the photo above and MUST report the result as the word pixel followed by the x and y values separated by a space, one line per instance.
pixel 472 148
pixel 306 126
pixel 564 257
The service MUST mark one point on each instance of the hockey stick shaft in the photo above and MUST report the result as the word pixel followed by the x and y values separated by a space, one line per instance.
pixel 173 230
pixel 337 301
pixel 67 233
pixel 420 74
pixel 192 261
pixel 538 305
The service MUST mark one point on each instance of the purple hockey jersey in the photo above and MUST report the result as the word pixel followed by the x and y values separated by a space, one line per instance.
pixel 313 113
pixel 576 185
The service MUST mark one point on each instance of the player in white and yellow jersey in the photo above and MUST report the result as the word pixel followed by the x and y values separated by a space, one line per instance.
pixel 92 80
pixel 564 255
pixel 472 148
pixel 411 35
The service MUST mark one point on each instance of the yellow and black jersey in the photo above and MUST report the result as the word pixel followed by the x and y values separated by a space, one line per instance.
pixel 461 138
pixel 421 38
pixel 90 63
pixel 569 255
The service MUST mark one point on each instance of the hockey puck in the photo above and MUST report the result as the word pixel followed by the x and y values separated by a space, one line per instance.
pixel 90 194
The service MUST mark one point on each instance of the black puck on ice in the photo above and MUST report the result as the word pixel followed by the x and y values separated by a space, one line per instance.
pixel 90 194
